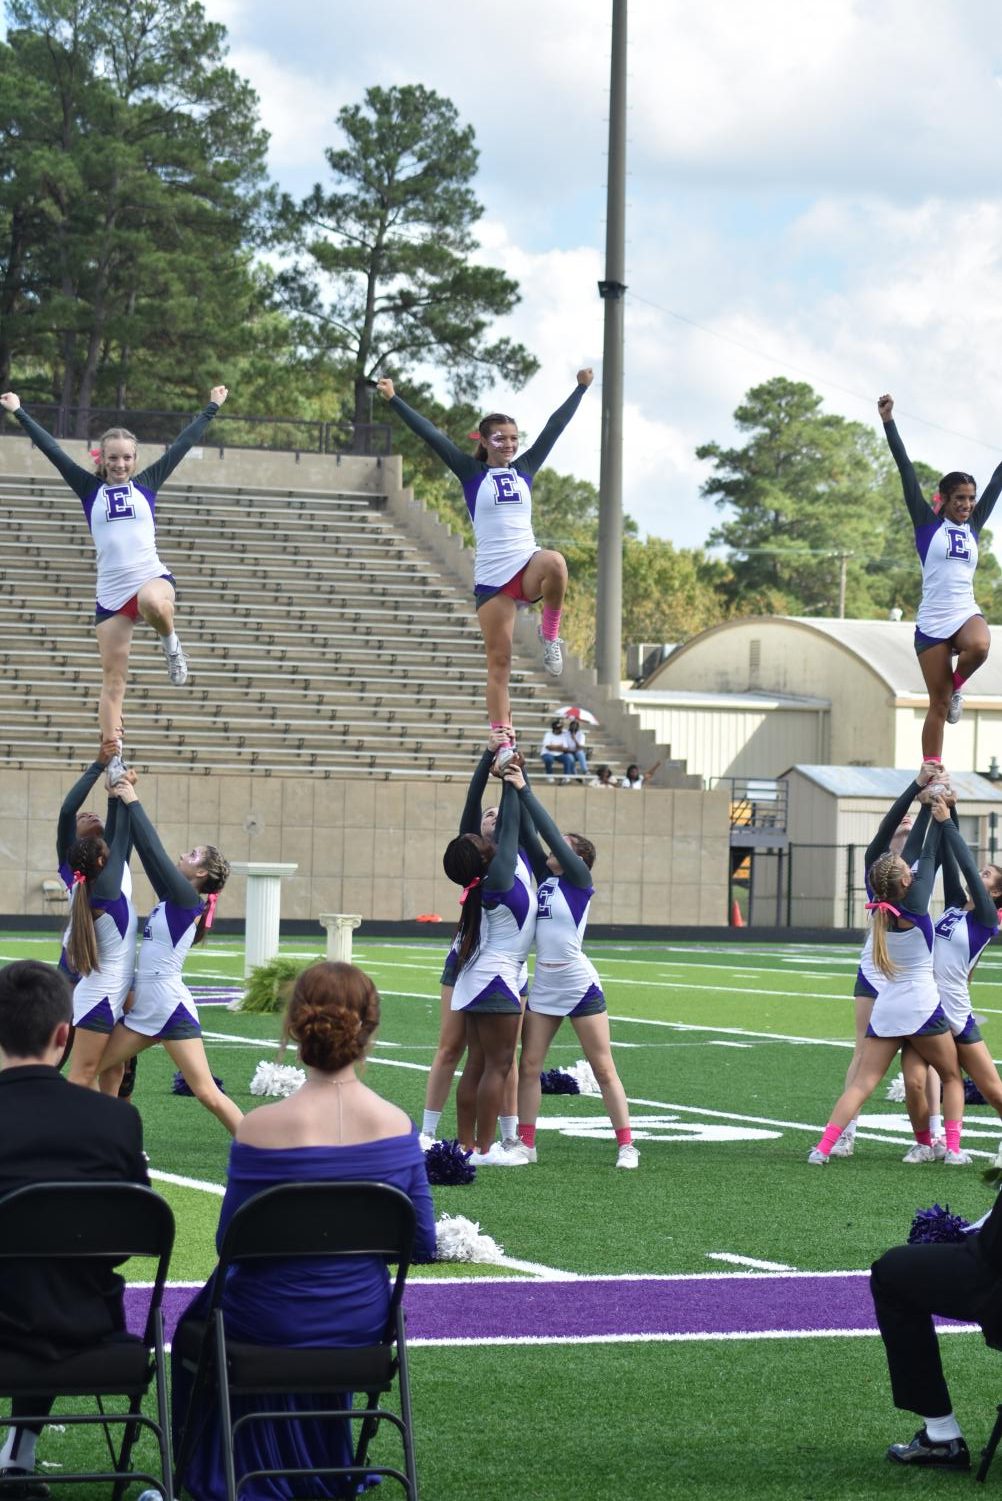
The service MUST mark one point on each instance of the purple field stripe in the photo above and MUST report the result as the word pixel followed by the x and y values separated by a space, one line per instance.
pixel 650 1307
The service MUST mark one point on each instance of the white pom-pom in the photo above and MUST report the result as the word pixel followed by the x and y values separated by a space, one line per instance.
pixel 582 1072
pixel 236 1004
pixel 459 1239
pixel 279 1079
pixel 896 1089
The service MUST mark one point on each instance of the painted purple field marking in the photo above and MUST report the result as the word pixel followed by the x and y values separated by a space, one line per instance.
pixel 488 1311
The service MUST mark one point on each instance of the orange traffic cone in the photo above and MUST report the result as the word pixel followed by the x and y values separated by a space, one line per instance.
pixel 737 921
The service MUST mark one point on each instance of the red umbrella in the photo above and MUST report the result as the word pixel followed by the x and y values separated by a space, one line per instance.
pixel 572 711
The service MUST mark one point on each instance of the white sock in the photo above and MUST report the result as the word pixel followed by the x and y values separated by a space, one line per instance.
pixel 941 1430
pixel 509 1127
pixel 936 1128
pixel 430 1121
pixel 170 643
pixel 19 1449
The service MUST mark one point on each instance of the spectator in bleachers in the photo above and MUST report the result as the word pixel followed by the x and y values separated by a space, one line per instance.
pixel 334 1128
pixel 579 741
pixel 132 581
pixel 556 746
pixel 509 569
pixel 603 777
pixel 635 779
pixel 52 1131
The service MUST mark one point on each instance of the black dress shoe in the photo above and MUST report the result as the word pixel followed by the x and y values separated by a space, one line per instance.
pixel 22 1485
pixel 946 1454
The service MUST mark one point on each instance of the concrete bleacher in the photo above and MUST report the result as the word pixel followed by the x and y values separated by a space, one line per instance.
pixel 321 640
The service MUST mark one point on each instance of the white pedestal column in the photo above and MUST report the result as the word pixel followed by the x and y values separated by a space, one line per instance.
pixel 340 926
pixel 264 906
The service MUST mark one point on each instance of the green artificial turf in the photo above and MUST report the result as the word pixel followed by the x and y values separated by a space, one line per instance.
pixel 732 1057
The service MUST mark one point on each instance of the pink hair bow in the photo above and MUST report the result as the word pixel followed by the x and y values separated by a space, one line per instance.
pixel 79 879
pixel 468 889
pixel 210 909
pixel 882 907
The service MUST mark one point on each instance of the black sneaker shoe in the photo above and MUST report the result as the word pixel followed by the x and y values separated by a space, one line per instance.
pixel 17 1484
pixel 947 1454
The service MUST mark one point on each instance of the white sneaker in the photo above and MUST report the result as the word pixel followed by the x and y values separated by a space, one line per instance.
pixel 553 654
pixel 956 707
pixel 426 1141
pixel 114 772
pixel 628 1156
pixel 177 664
pixel 919 1153
pixel 514 1145
pixel 957 1159
pixel 503 756
pixel 939 1147
pixel 817 1158
pixel 496 1156
pixel 845 1145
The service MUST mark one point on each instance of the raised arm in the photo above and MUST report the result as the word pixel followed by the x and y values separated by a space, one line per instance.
pixel 954 894
pixel 66 827
pixel 463 465
pixel 83 482
pixel 571 863
pixel 118 837
pixel 955 847
pixel 155 475
pixel 986 505
pixel 916 836
pixel 916 899
pixel 469 823
pixel 882 839
pixel 501 871
pixel 165 878
pixel 530 845
pixel 535 457
pixel 919 508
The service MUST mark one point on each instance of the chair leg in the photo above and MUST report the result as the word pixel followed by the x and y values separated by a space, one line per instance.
pixel 988 1452
pixel 404 1384
pixel 225 1413
pixel 129 1436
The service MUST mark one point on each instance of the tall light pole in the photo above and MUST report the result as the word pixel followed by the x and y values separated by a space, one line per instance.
pixel 609 594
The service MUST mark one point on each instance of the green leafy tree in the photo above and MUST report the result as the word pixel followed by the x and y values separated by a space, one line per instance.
pixel 130 199
pixel 805 491
pixel 386 276
pixel 670 593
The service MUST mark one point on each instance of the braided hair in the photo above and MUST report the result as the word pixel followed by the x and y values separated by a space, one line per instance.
pixel 217 873
pixel 884 877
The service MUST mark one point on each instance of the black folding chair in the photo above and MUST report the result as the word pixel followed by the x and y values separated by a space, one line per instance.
pixel 305 1220
pixel 95 1221
pixel 988 1452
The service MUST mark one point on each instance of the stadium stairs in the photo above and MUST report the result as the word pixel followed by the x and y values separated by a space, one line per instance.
pixel 328 633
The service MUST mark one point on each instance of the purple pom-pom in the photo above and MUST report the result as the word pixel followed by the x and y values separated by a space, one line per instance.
pixel 936 1226
pixel 449 1163
pixel 972 1094
pixel 180 1086
pixel 556 1081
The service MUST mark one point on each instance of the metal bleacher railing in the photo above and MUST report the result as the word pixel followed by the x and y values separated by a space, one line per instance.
pixel 286 434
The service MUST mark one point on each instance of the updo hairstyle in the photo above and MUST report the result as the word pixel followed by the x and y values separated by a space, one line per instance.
pixel 331 1016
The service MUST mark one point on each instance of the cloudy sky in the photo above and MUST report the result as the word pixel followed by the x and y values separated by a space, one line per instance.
pixel 813 191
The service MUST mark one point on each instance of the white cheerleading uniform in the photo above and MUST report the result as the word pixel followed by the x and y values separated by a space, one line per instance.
pixel 494 977
pixel 908 1000
pixel 565 982
pixel 960 941
pixel 949 556
pixel 121 521
pixel 163 1005
pixel 98 998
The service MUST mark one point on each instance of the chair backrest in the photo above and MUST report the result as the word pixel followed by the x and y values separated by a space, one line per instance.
pixel 76 1221
pixel 322 1219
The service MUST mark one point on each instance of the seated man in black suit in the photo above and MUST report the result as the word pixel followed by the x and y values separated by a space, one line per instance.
pixel 51 1130
pixel 956 1281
